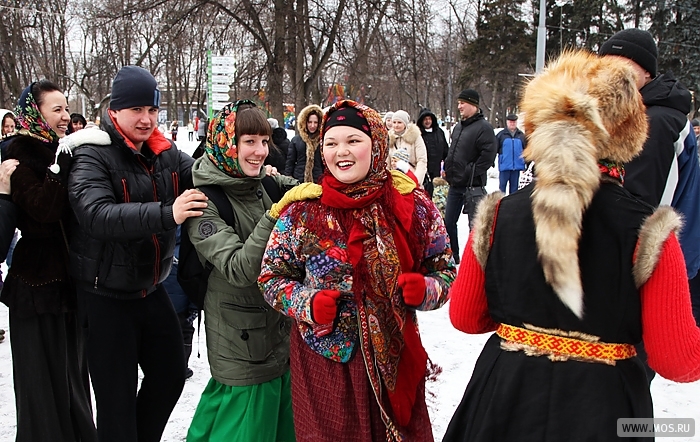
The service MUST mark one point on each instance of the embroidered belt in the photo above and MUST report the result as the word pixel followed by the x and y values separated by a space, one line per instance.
pixel 561 348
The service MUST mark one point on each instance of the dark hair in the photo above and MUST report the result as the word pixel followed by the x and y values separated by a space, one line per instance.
pixel 41 87
pixel 251 121
pixel 6 116
pixel 74 118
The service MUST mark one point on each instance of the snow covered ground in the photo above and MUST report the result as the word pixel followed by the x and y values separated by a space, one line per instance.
pixel 454 351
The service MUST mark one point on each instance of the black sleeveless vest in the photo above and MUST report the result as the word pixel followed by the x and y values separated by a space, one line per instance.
pixel 612 307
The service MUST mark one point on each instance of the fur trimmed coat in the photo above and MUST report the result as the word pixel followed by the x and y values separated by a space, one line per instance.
pixel 304 156
pixel 38 280
pixel 412 141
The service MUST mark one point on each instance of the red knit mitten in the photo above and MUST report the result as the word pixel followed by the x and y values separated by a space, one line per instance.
pixel 413 287
pixel 324 307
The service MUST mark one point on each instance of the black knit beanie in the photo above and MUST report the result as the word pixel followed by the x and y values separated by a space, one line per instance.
pixel 470 96
pixel 635 44
pixel 134 86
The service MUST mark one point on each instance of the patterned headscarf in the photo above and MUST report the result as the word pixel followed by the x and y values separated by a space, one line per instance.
pixel 30 120
pixel 378 174
pixel 221 146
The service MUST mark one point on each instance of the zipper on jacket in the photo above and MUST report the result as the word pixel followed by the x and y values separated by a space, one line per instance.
pixel 156 244
pixel 244 308
pixel 99 263
pixel 156 266
pixel 125 188
pixel 176 184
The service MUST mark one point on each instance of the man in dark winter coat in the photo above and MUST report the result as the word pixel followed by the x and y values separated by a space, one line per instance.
pixel 435 144
pixel 472 151
pixel 280 145
pixel 511 143
pixel 667 171
pixel 128 200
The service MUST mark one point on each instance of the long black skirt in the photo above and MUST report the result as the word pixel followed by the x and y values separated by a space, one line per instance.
pixel 515 397
pixel 51 381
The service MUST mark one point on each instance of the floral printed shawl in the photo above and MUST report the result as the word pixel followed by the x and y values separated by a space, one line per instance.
pixel 221 145
pixel 30 120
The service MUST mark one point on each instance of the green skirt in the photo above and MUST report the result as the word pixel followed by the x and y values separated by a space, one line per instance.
pixel 255 413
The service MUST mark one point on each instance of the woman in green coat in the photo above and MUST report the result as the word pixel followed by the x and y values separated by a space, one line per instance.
pixel 248 397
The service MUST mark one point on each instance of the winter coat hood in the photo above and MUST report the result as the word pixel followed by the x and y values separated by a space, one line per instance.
pixel 311 140
pixel 425 112
pixel 581 109
pixel 664 90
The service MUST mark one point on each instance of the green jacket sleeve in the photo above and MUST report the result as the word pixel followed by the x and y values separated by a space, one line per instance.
pixel 238 260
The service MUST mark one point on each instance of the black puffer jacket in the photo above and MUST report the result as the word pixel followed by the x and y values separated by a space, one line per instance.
pixel 473 144
pixel 435 142
pixel 123 201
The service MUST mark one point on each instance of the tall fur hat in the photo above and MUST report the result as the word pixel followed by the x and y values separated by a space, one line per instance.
pixel 581 109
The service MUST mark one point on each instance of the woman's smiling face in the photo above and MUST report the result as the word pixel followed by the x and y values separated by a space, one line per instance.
pixel 252 151
pixel 54 109
pixel 348 153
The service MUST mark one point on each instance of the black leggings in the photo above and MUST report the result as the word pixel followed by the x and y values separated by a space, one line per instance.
pixel 123 335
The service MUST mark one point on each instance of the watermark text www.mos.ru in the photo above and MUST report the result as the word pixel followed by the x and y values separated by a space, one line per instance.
pixel 657 427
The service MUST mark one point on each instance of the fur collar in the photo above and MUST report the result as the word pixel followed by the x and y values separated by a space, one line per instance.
pixel 301 124
pixel 410 135
pixel 652 236
pixel 82 137
pixel 483 226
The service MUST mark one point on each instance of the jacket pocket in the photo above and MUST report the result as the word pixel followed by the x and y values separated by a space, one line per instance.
pixel 245 331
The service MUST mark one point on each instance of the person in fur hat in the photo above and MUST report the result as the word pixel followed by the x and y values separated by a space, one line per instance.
pixel 406 135
pixel 304 156
pixel 591 271
pixel 351 268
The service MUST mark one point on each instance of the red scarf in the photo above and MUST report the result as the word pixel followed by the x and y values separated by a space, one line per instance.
pixel 378 221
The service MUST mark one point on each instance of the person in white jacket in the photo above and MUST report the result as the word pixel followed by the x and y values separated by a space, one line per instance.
pixel 406 135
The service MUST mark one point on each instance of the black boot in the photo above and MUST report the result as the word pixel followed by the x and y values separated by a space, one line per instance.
pixel 187 327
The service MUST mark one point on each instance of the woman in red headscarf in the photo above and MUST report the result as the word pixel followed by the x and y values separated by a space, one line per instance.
pixel 351 268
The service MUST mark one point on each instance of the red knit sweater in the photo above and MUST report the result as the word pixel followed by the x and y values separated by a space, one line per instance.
pixel 671 338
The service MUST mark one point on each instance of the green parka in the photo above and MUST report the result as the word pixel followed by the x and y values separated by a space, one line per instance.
pixel 247 340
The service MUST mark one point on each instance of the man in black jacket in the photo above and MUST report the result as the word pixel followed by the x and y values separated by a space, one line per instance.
pixel 472 150
pixel 125 189
pixel 435 144
pixel 666 172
